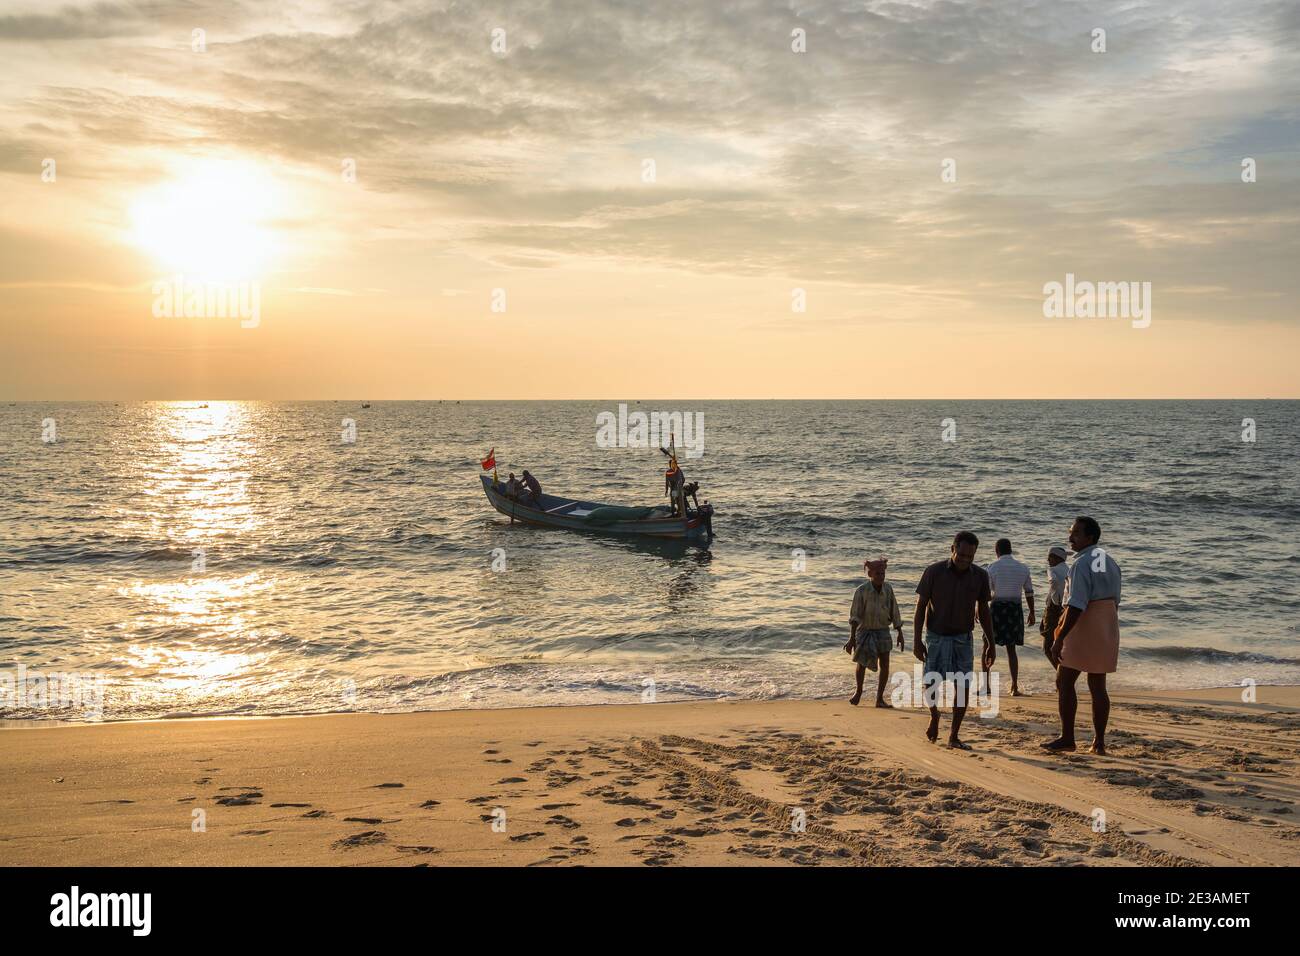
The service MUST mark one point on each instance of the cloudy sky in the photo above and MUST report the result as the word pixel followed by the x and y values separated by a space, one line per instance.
pixel 643 187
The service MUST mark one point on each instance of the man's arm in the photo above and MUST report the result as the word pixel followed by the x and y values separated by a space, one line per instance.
pixel 897 616
pixel 1068 620
pixel 1028 587
pixel 986 624
pixel 918 624
pixel 855 617
pixel 918 619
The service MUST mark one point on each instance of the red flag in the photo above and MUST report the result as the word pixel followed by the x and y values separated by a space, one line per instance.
pixel 490 461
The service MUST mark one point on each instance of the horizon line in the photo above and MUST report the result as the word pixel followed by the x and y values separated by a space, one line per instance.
pixel 208 398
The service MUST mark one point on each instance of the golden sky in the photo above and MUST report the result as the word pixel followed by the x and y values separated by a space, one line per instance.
pixel 507 146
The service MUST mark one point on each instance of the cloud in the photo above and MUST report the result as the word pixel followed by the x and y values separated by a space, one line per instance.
pixel 820 166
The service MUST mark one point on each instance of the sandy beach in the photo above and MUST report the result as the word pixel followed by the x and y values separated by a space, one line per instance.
pixel 1193 777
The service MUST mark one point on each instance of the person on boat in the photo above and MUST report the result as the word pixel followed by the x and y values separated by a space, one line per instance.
pixel 689 490
pixel 1009 579
pixel 674 482
pixel 950 595
pixel 1087 639
pixel 874 611
pixel 513 487
pixel 532 489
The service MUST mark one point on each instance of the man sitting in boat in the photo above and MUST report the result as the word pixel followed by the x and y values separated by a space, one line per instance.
pixel 513 487
pixel 531 492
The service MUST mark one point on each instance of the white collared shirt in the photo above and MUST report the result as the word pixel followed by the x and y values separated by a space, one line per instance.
pixel 1057 575
pixel 1009 578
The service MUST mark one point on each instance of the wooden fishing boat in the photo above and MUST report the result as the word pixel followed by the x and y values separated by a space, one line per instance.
pixel 552 511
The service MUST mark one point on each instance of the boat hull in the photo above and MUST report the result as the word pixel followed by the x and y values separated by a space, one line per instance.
pixel 551 514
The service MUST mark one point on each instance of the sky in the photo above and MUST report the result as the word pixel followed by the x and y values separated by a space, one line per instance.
pixel 575 199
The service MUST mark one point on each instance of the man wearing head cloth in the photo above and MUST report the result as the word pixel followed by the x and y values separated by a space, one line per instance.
pixel 874 610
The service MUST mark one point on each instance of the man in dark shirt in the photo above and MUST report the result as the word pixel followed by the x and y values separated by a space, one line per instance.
pixel 532 490
pixel 949 595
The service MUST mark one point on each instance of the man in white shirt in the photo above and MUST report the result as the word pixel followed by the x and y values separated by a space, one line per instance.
pixel 1058 572
pixel 1008 579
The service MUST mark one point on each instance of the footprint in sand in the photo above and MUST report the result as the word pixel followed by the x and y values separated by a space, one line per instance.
pixel 429 804
pixel 253 832
pixel 512 780
pixel 694 831
pixel 418 850
pixel 247 799
pixel 365 838
pixel 370 820
pixel 525 837
pixel 560 820
pixel 388 786
pixel 316 814
pixel 276 806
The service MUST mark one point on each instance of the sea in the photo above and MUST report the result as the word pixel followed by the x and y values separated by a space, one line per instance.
pixel 245 558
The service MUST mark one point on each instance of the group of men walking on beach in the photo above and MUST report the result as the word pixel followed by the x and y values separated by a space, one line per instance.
pixel 1080 626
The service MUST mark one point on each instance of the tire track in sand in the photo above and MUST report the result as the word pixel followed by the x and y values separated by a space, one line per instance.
pixel 724 789
pixel 815 757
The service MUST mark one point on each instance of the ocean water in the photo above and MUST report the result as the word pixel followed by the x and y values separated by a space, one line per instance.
pixel 367 575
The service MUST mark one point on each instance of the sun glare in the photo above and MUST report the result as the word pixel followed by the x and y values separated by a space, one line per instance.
pixel 210 221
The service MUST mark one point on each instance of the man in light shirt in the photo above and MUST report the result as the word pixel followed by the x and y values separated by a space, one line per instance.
pixel 1008 579
pixel 1057 574
pixel 874 611
pixel 1087 639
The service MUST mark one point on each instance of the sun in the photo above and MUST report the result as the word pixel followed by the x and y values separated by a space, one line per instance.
pixel 211 221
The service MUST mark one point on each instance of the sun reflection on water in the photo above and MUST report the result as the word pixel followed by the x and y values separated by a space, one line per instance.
pixel 192 636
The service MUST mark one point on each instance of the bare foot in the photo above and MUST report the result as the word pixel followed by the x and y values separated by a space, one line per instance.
pixel 1015 692
pixel 932 732
pixel 955 744
pixel 1097 748
pixel 856 699
pixel 1059 745
pixel 880 702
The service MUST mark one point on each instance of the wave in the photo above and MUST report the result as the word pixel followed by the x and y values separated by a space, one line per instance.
pixel 1206 655
pixel 165 554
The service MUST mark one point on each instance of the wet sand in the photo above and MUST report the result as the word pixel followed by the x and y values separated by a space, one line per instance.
pixel 1192 777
